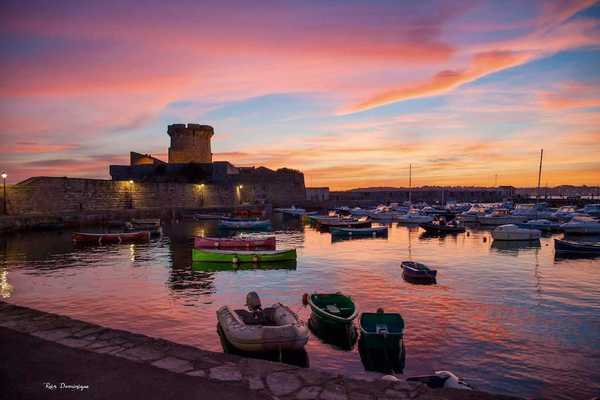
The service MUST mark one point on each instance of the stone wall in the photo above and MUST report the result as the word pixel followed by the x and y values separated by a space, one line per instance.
pixel 50 195
pixel 47 195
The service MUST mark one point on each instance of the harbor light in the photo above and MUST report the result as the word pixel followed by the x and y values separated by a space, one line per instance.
pixel 4 176
pixel 131 182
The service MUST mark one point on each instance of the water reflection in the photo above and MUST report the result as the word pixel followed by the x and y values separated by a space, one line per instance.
pixel 340 337
pixel 502 314
pixel 219 266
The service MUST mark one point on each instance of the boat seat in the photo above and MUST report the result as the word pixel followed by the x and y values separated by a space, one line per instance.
pixel 261 317
pixel 333 309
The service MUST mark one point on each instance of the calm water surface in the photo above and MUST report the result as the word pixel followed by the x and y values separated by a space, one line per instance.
pixel 510 318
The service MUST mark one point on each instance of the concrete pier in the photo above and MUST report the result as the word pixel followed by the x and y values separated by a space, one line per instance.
pixel 47 355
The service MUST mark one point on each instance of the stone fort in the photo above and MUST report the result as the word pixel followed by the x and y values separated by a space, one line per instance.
pixel 188 179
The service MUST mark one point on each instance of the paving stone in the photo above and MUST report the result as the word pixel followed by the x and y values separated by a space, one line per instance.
pixel 255 382
pixel 403 385
pixel 253 366
pixel 142 353
pixel 197 372
pixel 54 334
pixel 308 393
pixel 88 331
pixel 97 344
pixel 360 396
pixel 186 352
pixel 334 392
pixel 173 364
pixel 396 394
pixel 282 383
pixel 314 377
pixel 109 350
pixel 73 342
pixel 226 373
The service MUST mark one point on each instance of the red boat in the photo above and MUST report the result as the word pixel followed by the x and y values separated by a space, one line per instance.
pixel 101 238
pixel 267 243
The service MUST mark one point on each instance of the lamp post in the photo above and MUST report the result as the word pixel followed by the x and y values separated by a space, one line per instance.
pixel 131 194
pixel 4 176
pixel 239 190
pixel 201 186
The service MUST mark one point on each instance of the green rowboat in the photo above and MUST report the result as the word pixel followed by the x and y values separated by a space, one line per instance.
pixel 208 266
pixel 242 256
pixel 332 308
pixel 382 330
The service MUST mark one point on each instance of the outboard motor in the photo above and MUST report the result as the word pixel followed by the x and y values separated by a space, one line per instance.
pixel 253 302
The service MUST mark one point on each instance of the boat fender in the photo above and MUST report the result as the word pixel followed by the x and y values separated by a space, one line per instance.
pixel 389 378
pixel 235 260
pixel 305 299
pixel 484 239
pixel 255 258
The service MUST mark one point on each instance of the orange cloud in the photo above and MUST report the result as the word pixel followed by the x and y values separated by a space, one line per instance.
pixel 571 95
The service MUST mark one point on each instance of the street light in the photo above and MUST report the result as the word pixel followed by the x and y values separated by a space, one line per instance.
pixel 4 176
pixel 130 193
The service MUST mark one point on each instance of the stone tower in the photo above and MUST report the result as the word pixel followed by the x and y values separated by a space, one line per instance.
pixel 190 144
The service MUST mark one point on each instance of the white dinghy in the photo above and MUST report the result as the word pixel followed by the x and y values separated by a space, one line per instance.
pixel 513 232
pixel 274 328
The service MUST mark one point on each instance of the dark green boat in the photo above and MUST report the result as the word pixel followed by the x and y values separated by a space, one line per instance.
pixel 382 330
pixel 334 309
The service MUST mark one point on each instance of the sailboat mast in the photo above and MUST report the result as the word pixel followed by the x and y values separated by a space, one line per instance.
pixel 537 198
pixel 409 182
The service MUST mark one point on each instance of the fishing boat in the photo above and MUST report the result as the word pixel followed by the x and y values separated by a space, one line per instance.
pixel 265 243
pixel 243 256
pixel 568 246
pixel 441 228
pixel 513 232
pixel 532 211
pixel 581 225
pixel 543 225
pixel 501 216
pixel 344 223
pixel 417 272
pixel 332 309
pixel 472 214
pixel 101 238
pixel 381 330
pixel 274 328
pixel 245 224
pixel 374 231
pixel 414 217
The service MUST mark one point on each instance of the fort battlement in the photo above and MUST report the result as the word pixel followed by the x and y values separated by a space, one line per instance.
pixel 190 144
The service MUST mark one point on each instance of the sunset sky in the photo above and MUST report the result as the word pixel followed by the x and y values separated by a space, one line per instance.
pixel 349 92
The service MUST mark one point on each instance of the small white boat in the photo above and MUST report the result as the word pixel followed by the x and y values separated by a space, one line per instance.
pixel 513 232
pixel 581 225
pixel 501 216
pixel 414 217
pixel 275 328
pixel 472 214
pixel 532 211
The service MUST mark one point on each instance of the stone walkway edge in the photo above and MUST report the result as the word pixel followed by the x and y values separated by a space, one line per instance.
pixel 273 380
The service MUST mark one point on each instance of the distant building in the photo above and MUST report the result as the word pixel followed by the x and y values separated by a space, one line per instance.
pixel 317 194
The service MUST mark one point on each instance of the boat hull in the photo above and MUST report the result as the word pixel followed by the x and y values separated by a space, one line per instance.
pixel 231 224
pixel 438 229
pixel 243 256
pixel 517 235
pixel 496 221
pixel 328 319
pixel 566 246
pixel 289 335
pixel 378 231
pixel 102 238
pixel 267 243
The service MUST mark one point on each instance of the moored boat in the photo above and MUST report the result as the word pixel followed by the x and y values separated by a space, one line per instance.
pixel 245 224
pixel 374 231
pixel 513 232
pixel 332 309
pixel 414 217
pixel 274 328
pixel 568 246
pixel 266 243
pixel 243 256
pixel 150 225
pixel 416 272
pixel 439 228
pixel 381 330
pixel 101 238
pixel 344 223
pixel 501 217
pixel 543 225
pixel 581 225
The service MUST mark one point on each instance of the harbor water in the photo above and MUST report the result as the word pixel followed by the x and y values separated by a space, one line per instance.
pixel 510 318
